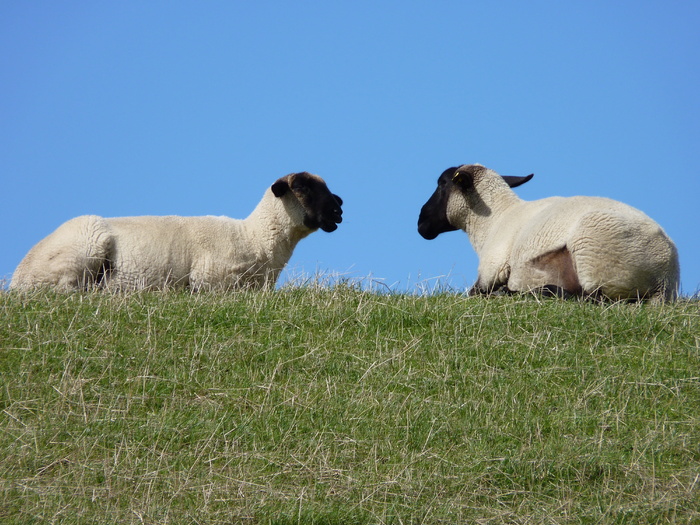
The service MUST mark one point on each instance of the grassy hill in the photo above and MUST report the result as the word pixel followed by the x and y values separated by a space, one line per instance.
pixel 335 405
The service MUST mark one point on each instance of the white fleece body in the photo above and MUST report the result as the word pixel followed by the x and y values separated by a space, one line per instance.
pixel 615 249
pixel 152 252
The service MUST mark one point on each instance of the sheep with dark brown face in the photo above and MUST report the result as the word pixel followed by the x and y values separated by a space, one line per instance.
pixel 202 253
pixel 570 246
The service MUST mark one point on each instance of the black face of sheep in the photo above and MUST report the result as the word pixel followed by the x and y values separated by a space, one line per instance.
pixel 432 220
pixel 433 215
pixel 322 209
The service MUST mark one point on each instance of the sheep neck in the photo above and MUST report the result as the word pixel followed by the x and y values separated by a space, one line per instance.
pixel 275 231
pixel 484 208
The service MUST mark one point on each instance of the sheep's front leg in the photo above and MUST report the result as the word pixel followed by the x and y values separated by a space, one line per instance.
pixel 478 290
pixel 551 273
pixel 495 284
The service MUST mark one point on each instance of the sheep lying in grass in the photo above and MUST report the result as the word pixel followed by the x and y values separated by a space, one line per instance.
pixel 586 246
pixel 207 253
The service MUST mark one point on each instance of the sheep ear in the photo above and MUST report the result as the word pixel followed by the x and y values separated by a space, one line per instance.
pixel 514 182
pixel 279 188
pixel 462 179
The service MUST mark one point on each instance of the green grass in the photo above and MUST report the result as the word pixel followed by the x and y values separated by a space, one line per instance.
pixel 333 405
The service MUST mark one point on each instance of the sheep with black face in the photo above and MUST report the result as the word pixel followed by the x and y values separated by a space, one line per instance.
pixel 570 246
pixel 201 253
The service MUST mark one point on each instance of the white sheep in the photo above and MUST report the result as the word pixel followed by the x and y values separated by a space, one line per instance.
pixel 586 246
pixel 207 253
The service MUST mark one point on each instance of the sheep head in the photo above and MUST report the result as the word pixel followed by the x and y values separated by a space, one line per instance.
pixel 456 192
pixel 321 208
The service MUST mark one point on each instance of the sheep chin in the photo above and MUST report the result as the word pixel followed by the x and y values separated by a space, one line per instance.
pixel 329 227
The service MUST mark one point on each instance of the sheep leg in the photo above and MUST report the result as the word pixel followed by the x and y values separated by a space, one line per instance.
pixel 495 289
pixel 559 271
pixel 73 257
pixel 552 273
pixel 552 290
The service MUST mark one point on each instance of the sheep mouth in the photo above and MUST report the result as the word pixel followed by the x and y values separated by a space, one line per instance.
pixel 331 225
pixel 429 230
pixel 432 224
pixel 426 233
pixel 327 225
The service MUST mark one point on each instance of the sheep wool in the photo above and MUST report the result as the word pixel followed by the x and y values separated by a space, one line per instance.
pixel 201 253
pixel 586 246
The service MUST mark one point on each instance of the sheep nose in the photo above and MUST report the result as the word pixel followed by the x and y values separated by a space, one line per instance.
pixel 336 212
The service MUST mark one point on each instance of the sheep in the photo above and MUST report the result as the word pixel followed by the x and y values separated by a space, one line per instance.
pixel 568 246
pixel 200 253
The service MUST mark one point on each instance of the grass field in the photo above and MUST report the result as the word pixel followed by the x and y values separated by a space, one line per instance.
pixel 334 405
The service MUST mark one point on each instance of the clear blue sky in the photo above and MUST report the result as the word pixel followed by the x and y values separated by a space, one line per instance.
pixel 194 108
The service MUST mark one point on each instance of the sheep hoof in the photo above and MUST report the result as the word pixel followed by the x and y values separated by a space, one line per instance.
pixel 552 290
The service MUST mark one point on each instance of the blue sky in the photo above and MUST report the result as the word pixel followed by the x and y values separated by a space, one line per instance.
pixel 195 108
